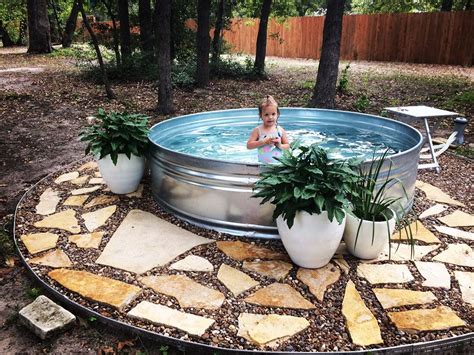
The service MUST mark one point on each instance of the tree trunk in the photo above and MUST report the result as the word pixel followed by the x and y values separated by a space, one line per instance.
pixel 115 33
pixel 39 32
pixel 216 41
pixel 56 17
pixel 6 40
pixel 70 26
pixel 165 97
pixel 261 49
pixel 144 15
pixel 108 89
pixel 125 46
pixel 324 91
pixel 203 43
pixel 447 5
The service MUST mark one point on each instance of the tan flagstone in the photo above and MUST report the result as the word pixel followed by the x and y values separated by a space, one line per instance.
pixel 85 190
pixel 193 263
pixel 401 252
pixel 438 318
pixel 81 180
pixel 345 267
pixel 436 209
pixel 66 177
pixel 138 193
pixel 96 219
pixel 189 293
pixel 63 220
pixel 360 321
pixel 386 273
pixel 97 174
pixel 101 200
pixel 466 284
pixel 435 274
pixel 162 315
pixel 393 297
pixel 96 180
pixel 76 200
pixel 54 258
pixel 454 232
pixel 91 165
pixel 435 194
pixel 144 241
pixel 236 281
pixel 37 242
pixel 275 269
pixel 241 251
pixel 458 219
pixel 458 254
pixel 318 280
pixel 89 240
pixel 49 200
pixel 97 288
pixel 418 232
pixel 279 295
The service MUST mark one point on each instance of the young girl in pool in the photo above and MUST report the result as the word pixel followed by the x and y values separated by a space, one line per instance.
pixel 269 138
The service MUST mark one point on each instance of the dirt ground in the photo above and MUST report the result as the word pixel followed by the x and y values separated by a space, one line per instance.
pixel 43 105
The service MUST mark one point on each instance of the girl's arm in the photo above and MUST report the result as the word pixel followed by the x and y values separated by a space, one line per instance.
pixel 253 141
pixel 285 143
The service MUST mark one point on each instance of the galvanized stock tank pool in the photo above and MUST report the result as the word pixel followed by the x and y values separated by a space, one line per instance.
pixel 202 172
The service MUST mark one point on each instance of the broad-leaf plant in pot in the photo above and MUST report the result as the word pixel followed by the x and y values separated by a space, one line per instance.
pixel 309 191
pixel 119 142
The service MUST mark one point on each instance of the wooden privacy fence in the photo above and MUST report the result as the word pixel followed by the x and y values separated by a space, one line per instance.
pixel 434 37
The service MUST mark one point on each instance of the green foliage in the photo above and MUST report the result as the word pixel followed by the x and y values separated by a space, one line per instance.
pixel 308 84
pixel 116 133
pixel 230 68
pixel 383 6
pixel 465 151
pixel 33 292
pixel 6 246
pixel 306 180
pixel 362 103
pixel 92 319
pixel 343 85
pixel 164 349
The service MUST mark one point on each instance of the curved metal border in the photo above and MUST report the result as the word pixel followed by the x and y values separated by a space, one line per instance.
pixel 465 340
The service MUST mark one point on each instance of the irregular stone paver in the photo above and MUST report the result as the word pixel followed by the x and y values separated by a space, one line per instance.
pixel 236 281
pixel 66 177
pixel 49 200
pixel 76 200
pixel 402 252
pixel 97 174
pixel 345 267
pixel 279 295
pixel 188 292
pixel 97 288
pixel 435 194
pixel 193 263
pixel 426 319
pixel 318 280
pixel 96 180
pixel 466 284
pixel 81 180
pixel 458 254
pixel 55 258
pixel 436 274
pixel 159 243
pixel 138 193
pixel 65 220
pixel 436 209
pixel 270 329
pixel 85 190
pixel 37 242
pixel 458 219
pixel 241 251
pixel 96 219
pixel 360 321
pixel 386 273
pixel 158 314
pixel 454 232
pixel 101 200
pixel 418 232
pixel 45 317
pixel 393 297
pixel 89 240
pixel 92 165
pixel 276 269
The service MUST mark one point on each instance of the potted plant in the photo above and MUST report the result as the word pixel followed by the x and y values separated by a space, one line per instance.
pixel 309 192
pixel 119 141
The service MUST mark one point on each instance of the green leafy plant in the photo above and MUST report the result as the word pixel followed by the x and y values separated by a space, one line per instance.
pixel 306 180
pixel 362 103
pixel 116 133
pixel 343 84
pixel 33 292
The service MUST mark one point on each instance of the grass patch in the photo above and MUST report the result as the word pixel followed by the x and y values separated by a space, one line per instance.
pixel 465 151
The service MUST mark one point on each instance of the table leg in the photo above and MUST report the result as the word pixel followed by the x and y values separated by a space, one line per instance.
pixel 430 143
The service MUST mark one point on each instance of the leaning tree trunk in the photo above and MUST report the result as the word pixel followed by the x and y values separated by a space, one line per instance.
pixel 216 40
pixel 144 15
pixel 39 32
pixel 115 33
pixel 203 43
pixel 447 5
pixel 261 49
pixel 56 17
pixel 324 91
pixel 70 26
pixel 6 39
pixel 125 46
pixel 165 97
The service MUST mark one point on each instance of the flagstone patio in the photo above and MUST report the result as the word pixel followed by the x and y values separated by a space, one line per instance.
pixel 128 260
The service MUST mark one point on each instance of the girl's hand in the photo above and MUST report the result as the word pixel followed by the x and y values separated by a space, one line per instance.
pixel 268 140
pixel 277 141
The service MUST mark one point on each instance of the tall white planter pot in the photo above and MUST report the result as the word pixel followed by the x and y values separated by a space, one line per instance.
pixel 312 240
pixel 124 177
pixel 366 246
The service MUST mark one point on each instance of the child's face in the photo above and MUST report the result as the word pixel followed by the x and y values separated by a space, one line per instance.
pixel 269 115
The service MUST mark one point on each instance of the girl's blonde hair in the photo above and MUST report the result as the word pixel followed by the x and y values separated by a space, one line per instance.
pixel 268 101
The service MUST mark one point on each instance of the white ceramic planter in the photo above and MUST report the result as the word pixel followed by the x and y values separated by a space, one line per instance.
pixel 366 246
pixel 312 240
pixel 124 177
